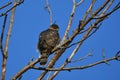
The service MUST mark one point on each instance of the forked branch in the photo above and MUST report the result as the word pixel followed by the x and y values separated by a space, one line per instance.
pixel 81 67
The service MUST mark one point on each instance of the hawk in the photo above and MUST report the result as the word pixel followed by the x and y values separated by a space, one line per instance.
pixel 48 40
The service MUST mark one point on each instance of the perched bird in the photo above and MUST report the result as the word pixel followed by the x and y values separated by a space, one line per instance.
pixel 48 40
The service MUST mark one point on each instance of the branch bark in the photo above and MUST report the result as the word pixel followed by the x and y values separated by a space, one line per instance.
pixel 2 35
pixel 49 11
pixel 5 53
pixel 15 5
pixel 22 71
pixel 5 5
pixel 79 67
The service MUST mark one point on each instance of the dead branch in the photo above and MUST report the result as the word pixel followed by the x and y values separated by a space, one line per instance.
pixel 80 67
pixel 71 19
pixel 2 35
pixel 49 11
pixel 23 70
pixel 89 10
pixel 5 53
pixel 6 5
pixel 86 56
pixel 101 7
pixel 109 13
pixel 80 2
pixel 70 22
pixel 95 29
pixel 17 4
pixel 118 55
pixel 107 7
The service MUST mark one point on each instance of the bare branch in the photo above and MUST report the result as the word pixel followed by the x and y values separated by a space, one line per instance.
pixel 70 21
pixel 49 11
pixel 97 11
pixel 118 55
pixel 78 67
pixel 107 7
pixel 17 75
pixel 89 10
pixel 2 35
pixel 102 15
pixel 101 7
pixel 109 13
pixel 48 75
pixel 5 53
pixel 6 5
pixel 86 56
pixel 96 28
pixel 80 2
pixel 4 13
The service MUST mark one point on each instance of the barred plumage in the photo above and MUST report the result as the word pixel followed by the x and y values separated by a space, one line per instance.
pixel 48 39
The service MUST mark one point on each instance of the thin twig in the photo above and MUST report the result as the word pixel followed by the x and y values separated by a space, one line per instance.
pixel 5 5
pixel 101 7
pixel 49 11
pixel 2 35
pixel 23 70
pixel 80 2
pixel 4 13
pixel 118 55
pixel 70 21
pixel 48 75
pixel 89 10
pixel 102 15
pixel 75 43
pixel 86 56
pixel 78 67
pixel 107 7
pixel 109 13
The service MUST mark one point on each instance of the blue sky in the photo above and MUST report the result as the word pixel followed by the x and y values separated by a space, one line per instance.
pixel 31 18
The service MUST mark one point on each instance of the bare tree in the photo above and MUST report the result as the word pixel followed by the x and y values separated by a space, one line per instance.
pixel 87 26
pixel 4 50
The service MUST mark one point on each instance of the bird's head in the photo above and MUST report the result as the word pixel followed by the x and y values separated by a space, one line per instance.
pixel 54 27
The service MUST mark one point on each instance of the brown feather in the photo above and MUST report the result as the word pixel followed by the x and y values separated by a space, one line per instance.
pixel 48 39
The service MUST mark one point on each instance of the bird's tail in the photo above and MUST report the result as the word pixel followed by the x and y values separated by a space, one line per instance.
pixel 43 58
